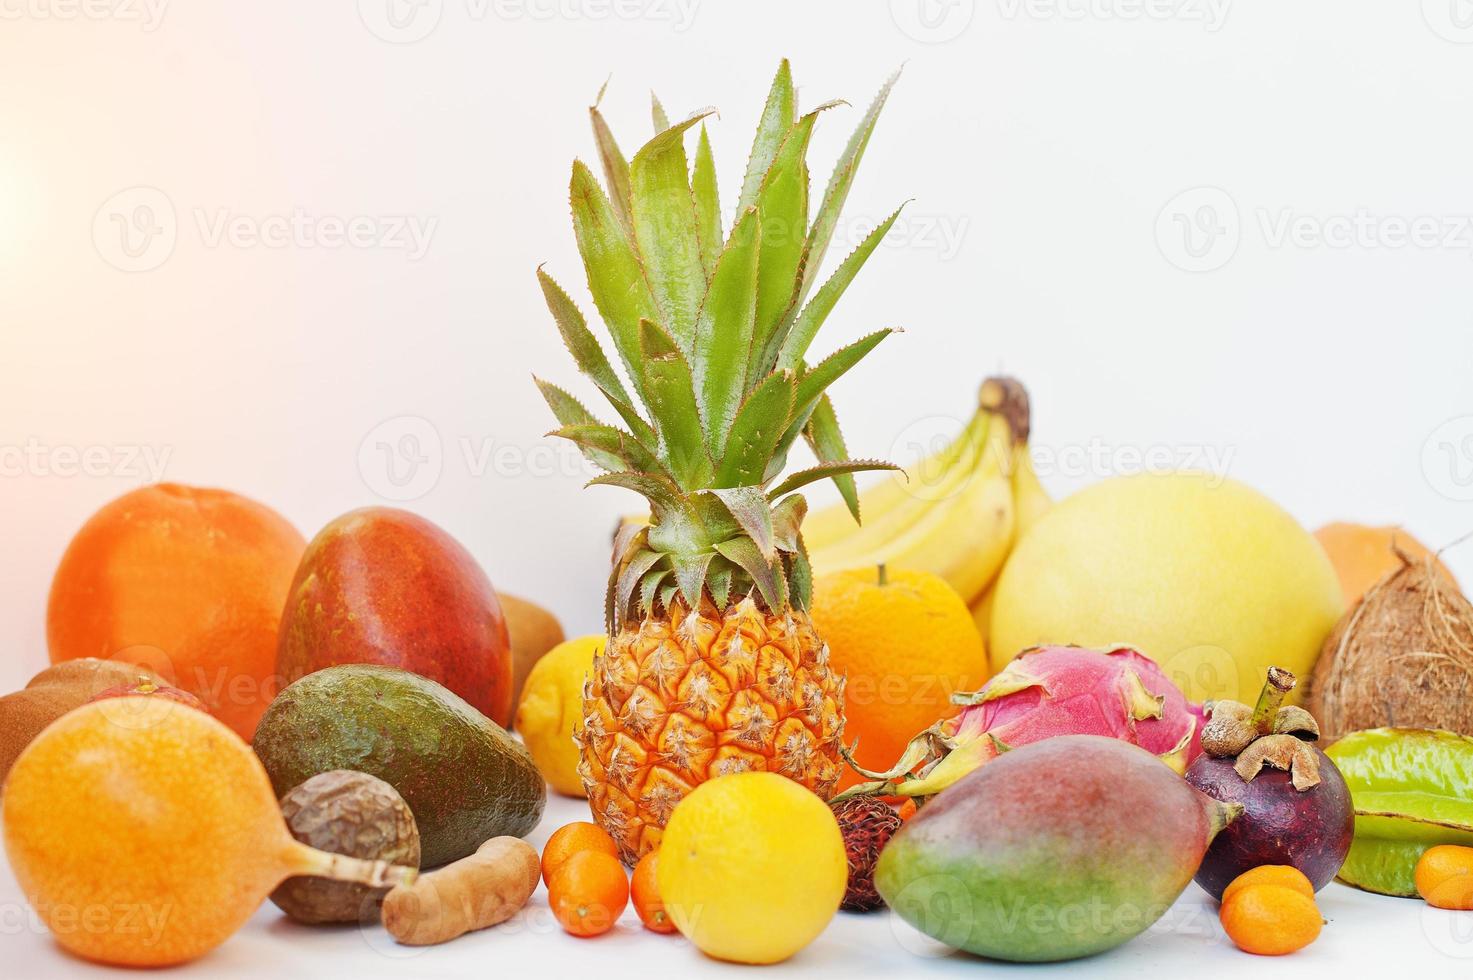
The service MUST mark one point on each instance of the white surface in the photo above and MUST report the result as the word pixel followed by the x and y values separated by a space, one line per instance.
pixel 1052 150
pixel 1365 936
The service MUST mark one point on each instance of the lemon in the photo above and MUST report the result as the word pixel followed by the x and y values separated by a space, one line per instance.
pixel 551 710
pixel 752 867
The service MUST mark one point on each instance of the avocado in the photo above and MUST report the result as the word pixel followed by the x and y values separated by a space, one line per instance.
pixel 465 779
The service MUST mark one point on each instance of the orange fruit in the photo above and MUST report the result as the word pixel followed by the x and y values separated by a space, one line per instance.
pixel 588 893
pixel 1270 874
pixel 906 644
pixel 574 838
pixel 1270 920
pixel 147 838
pixel 1444 876
pixel 1362 555
pixel 187 582
pixel 644 888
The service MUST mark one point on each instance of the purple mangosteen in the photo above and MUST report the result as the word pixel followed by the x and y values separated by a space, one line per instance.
pixel 1296 806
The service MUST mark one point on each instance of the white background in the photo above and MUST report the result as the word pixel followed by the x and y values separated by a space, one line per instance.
pixel 1056 155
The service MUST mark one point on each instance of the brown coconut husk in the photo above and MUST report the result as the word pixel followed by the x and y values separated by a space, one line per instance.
pixel 1402 656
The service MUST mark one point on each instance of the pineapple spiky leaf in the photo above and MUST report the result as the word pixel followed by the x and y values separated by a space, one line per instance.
pixel 711 330
pixel 755 432
pixel 787 519
pixel 814 381
pixel 664 217
pixel 743 553
pixel 724 330
pixel 824 437
pixel 658 116
pixel 707 201
pixel 824 471
pixel 670 384
pixel 613 449
pixel 690 575
pixel 777 118
pixel 615 276
pixel 837 191
pixel 806 324
pixel 748 506
pixel 616 168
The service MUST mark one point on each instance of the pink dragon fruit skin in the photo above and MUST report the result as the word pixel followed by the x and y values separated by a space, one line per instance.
pixel 1048 691
pixel 1062 690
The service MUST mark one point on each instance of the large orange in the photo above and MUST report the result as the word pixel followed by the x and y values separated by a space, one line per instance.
pixel 1362 555
pixel 905 642
pixel 187 581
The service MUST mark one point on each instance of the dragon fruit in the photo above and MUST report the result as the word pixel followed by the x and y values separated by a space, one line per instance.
pixel 1043 692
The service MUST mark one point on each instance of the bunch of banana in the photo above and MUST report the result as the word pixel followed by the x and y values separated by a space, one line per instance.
pixel 956 513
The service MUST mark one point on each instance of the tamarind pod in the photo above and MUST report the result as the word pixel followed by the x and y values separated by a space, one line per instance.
pixel 476 892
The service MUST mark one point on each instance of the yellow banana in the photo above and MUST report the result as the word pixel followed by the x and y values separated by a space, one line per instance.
pixel 1031 501
pixel 922 495
pixel 833 526
pixel 966 537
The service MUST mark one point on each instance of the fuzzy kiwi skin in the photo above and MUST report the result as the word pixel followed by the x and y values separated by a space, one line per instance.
pixel 52 693
pixel 464 777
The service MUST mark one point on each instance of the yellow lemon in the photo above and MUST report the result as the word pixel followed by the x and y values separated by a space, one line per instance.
pixel 551 710
pixel 752 867
pixel 1208 577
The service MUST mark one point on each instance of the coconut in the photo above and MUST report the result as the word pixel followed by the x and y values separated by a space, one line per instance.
pixel 1401 657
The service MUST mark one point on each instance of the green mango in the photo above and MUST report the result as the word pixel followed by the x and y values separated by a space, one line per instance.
pixel 1412 789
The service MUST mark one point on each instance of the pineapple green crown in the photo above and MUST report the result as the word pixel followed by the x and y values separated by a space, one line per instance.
pixel 712 329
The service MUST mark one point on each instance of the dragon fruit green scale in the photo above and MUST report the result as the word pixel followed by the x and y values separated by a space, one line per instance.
pixel 1043 692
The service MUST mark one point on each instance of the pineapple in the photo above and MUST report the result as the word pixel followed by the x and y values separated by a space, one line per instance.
pixel 712 665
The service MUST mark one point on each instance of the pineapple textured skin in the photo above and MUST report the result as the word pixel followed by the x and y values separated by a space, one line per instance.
pixel 683 697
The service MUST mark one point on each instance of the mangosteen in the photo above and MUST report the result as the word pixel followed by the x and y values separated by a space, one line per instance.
pixel 1296 806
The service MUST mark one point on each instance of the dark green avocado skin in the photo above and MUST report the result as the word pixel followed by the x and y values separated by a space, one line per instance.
pixel 463 776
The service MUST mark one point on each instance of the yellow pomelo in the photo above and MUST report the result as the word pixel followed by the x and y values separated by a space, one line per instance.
pixel 551 710
pixel 752 867
pixel 1208 577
